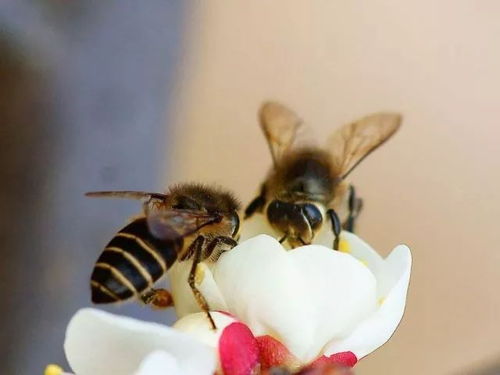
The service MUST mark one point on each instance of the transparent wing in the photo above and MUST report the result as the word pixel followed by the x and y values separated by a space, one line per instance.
pixel 172 224
pixel 279 125
pixel 353 142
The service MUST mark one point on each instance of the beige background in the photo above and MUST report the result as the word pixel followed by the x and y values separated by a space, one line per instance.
pixel 434 186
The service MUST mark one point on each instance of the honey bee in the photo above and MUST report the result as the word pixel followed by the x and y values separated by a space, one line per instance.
pixel 306 183
pixel 190 222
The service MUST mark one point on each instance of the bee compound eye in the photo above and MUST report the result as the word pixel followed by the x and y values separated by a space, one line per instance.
pixel 313 215
pixel 275 211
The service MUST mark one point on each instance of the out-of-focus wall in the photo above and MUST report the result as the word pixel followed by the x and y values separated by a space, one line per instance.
pixel 84 87
pixel 434 186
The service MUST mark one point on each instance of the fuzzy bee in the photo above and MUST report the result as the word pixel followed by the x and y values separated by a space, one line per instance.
pixel 307 183
pixel 190 222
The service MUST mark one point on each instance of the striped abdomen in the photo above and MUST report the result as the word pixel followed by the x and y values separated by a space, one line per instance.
pixel 131 262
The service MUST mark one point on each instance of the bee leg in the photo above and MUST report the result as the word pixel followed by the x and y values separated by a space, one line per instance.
pixel 197 248
pixel 355 205
pixel 284 238
pixel 257 204
pixel 215 243
pixel 336 227
pixel 160 298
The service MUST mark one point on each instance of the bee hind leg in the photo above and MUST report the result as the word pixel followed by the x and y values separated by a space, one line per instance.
pixel 197 247
pixel 355 205
pixel 159 298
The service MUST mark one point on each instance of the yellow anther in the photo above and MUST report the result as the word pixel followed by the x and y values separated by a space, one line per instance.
pixel 53 370
pixel 381 300
pixel 344 246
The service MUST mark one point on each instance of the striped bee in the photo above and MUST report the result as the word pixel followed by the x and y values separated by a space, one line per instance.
pixel 307 185
pixel 190 222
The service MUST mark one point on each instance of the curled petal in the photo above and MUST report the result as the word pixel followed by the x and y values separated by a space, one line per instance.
pixel 303 297
pixel 379 327
pixel 100 343
pixel 356 247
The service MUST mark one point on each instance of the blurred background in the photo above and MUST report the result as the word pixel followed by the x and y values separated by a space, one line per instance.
pixel 129 95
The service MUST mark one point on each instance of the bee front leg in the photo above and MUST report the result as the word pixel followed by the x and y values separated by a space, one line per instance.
pixel 355 205
pixel 197 248
pixel 216 243
pixel 336 227
pixel 284 238
pixel 257 204
pixel 159 298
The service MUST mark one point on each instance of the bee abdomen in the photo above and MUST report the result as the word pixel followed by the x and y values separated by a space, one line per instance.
pixel 131 262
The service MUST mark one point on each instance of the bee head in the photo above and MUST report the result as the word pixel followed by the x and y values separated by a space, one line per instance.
pixel 298 222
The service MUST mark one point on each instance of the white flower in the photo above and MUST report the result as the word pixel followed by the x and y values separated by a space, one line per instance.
pixel 316 301
pixel 289 308
pixel 100 343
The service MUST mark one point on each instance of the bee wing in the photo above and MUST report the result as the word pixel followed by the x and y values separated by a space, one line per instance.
pixel 279 125
pixel 353 142
pixel 172 224
pixel 126 194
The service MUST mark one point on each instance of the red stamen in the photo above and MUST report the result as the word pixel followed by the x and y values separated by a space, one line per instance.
pixel 273 353
pixel 238 350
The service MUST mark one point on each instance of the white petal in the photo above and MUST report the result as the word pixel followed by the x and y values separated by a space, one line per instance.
pixel 341 290
pixel 365 253
pixel 100 343
pixel 302 297
pixel 378 328
pixel 208 287
pixel 184 301
pixel 159 363
pixel 198 326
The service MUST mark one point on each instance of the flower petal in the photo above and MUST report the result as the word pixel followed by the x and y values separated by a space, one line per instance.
pixel 184 301
pixel 208 287
pixel 303 297
pixel 356 247
pixel 198 326
pixel 233 341
pixel 159 363
pixel 378 328
pixel 100 343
